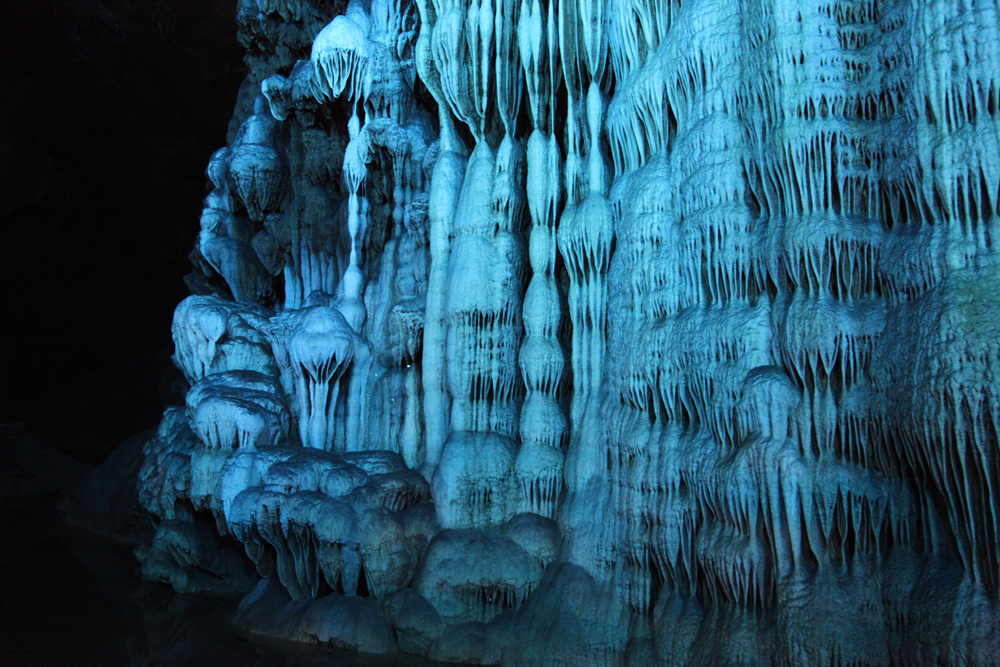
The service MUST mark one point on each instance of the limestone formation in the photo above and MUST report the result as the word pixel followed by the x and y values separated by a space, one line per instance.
pixel 604 332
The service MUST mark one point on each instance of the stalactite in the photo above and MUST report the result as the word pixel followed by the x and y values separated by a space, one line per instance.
pixel 321 347
pixel 485 279
pixel 544 428
pixel 586 236
pixel 256 166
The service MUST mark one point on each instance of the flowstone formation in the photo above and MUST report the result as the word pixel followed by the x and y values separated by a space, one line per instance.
pixel 600 332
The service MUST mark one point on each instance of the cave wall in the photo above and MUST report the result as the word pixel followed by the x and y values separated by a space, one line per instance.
pixel 599 333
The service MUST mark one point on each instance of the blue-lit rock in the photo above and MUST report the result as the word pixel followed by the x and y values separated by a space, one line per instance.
pixel 604 332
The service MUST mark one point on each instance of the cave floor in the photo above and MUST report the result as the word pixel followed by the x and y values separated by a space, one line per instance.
pixel 68 597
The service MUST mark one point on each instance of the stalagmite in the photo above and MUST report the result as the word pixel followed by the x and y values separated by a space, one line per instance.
pixel 605 332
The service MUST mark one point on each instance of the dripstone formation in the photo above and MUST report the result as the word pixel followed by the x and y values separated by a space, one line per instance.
pixel 599 332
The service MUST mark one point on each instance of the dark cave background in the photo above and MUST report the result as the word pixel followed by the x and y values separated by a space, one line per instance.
pixel 109 112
